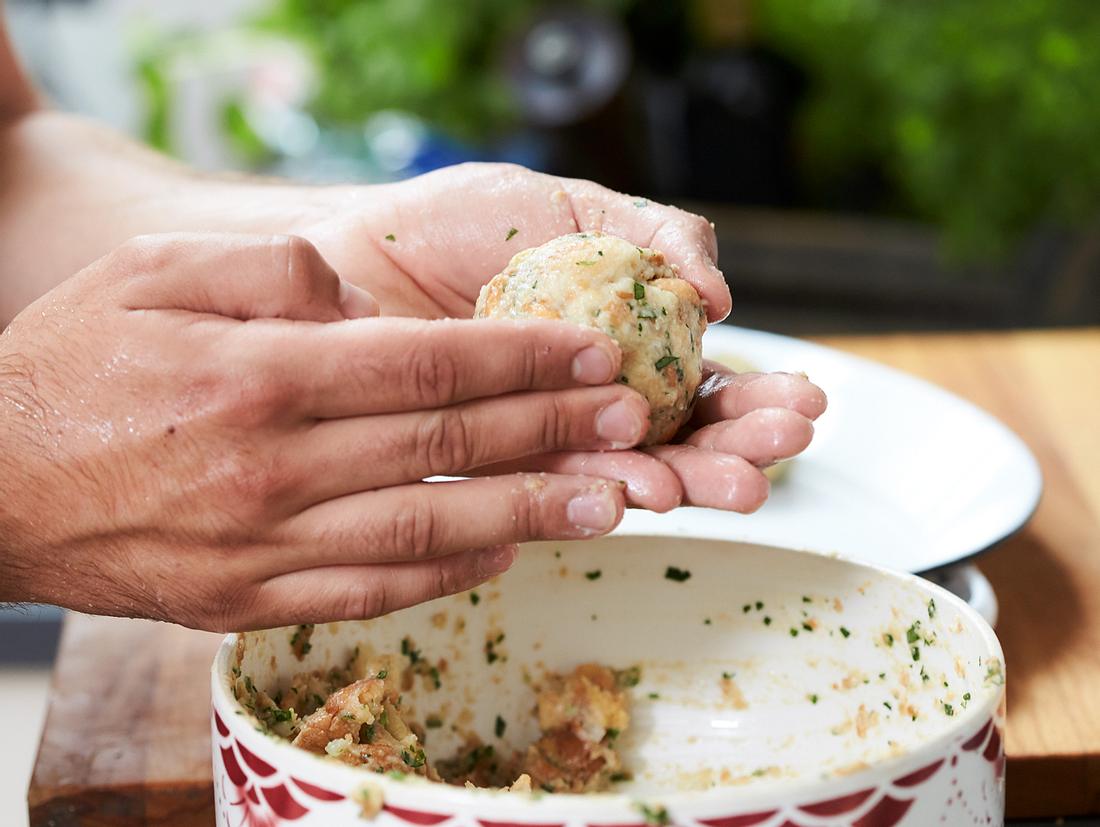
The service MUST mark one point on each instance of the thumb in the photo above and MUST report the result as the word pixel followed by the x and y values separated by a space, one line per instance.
pixel 239 276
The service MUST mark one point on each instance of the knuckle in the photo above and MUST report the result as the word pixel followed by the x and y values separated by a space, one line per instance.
pixel 142 255
pixel 526 510
pixel 433 376
pixel 251 397
pixel 415 530
pixel 556 425
pixel 307 278
pixel 444 442
pixel 365 603
pixel 252 485
pixel 221 607
pixel 446 580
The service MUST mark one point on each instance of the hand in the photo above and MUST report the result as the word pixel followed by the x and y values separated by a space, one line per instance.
pixel 218 431
pixel 426 246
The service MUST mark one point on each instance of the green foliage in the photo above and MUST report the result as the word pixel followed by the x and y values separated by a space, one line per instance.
pixel 439 59
pixel 983 112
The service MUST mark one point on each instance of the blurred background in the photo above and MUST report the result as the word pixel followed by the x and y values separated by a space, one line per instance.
pixel 869 164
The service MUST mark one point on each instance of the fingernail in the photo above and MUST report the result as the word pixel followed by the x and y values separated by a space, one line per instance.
pixel 356 303
pixel 593 366
pixel 619 424
pixel 496 561
pixel 593 512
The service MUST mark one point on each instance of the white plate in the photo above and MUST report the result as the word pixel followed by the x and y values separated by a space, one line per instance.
pixel 900 474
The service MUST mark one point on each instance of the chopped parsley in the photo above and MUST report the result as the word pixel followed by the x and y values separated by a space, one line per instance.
pixel 726 676
pixel 639 291
pixel 888 639
pixel 794 632
pixel 382 673
pixel 391 237
pixel 433 722
pixel 807 627
pixel 629 677
pixel 588 262
pixel 806 599
pixel 595 574
pixel 706 621
pixel 475 598
pixel 678 575
pixel 407 649
pixel 746 608
pixel 511 232
pixel 415 758
pixel 653 696
pixel 433 673
pixel 813 698
pixel 845 632
pixel 665 361
pixel 759 605
pixel 948 710
pixel 612 733
pixel 931 608
pixel 499 726
pixel 767 621
pixel 912 634
pixel 656 816
pixel 491 654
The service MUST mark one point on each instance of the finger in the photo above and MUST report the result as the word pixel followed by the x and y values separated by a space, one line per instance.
pixel 714 480
pixel 650 484
pixel 343 456
pixel 239 276
pixel 686 239
pixel 728 395
pixel 426 520
pixel 387 365
pixel 356 592
pixel 763 437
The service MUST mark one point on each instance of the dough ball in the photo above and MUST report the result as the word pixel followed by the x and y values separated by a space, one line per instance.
pixel 630 293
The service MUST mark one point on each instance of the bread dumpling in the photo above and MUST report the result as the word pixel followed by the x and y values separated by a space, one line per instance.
pixel 628 292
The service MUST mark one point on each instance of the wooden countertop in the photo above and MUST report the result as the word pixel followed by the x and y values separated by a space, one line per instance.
pixel 126 739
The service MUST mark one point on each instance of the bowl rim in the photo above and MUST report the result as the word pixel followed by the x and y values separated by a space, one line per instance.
pixel 610 806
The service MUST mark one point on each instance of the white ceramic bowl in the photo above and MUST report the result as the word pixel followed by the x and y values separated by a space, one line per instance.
pixel 826 720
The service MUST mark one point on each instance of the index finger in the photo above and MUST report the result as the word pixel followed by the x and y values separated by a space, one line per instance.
pixel 688 240
pixel 387 365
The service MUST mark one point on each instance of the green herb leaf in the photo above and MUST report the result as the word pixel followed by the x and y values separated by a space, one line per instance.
pixel 678 575
pixel 665 361
pixel 475 598
pixel 639 291
pixel 511 233
pixel 499 726
pixel 845 632
pixel 391 237
pixel 595 574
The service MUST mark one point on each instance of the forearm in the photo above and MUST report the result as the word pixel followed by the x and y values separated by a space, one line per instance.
pixel 71 190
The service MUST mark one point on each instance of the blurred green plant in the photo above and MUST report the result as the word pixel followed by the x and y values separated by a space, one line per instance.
pixel 983 113
pixel 438 59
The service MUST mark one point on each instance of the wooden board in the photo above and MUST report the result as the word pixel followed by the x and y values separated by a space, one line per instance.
pixel 127 734
pixel 126 738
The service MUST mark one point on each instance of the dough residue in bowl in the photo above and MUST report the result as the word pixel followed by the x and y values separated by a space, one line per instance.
pixel 354 714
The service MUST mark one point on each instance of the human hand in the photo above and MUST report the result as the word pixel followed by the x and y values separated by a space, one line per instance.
pixel 216 430
pixel 426 246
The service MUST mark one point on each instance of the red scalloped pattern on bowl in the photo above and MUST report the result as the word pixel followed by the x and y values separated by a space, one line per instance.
pixel 260 798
